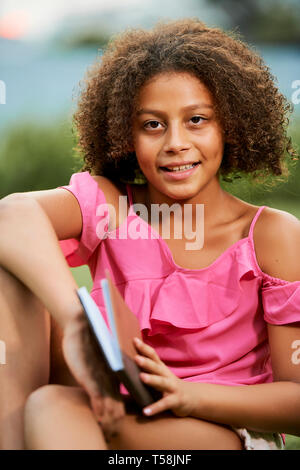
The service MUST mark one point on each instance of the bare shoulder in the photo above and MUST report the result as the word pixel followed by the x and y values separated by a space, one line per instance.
pixel 277 244
pixel 112 192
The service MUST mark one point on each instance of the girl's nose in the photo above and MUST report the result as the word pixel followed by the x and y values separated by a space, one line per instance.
pixel 175 140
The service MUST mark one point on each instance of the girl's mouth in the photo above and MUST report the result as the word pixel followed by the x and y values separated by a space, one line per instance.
pixel 180 173
pixel 180 170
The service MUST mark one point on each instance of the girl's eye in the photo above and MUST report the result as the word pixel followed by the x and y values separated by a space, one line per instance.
pixel 197 119
pixel 152 125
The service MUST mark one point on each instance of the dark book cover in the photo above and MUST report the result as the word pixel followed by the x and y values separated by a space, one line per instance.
pixel 116 346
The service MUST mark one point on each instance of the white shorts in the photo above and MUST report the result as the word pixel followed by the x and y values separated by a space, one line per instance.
pixel 253 440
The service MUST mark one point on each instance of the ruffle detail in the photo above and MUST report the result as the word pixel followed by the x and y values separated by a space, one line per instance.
pixel 95 219
pixel 220 293
pixel 269 281
pixel 70 249
pixel 281 302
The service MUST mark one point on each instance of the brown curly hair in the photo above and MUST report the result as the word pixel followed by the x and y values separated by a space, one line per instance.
pixel 250 108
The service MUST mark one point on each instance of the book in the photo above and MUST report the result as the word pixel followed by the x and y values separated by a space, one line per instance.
pixel 116 346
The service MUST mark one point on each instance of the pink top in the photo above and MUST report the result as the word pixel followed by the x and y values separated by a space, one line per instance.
pixel 207 325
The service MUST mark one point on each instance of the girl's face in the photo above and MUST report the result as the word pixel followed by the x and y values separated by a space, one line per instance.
pixel 175 125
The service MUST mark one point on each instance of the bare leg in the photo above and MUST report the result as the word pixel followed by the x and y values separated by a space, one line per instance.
pixel 59 417
pixel 25 331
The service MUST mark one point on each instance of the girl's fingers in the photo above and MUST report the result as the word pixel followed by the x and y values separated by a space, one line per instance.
pixel 157 381
pixel 152 362
pixel 146 349
pixel 163 404
pixel 148 364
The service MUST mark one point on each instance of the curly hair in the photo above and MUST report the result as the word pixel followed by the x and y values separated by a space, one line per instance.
pixel 250 108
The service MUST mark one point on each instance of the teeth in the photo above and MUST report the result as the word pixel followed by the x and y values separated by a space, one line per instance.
pixel 180 168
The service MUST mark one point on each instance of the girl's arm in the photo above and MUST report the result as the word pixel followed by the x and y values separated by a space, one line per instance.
pixel 59 371
pixel 29 231
pixel 30 226
pixel 31 223
pixel 270 407
pixel 273 406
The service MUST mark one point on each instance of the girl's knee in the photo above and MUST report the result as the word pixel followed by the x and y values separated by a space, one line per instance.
pixel 51 418
pixel 44 398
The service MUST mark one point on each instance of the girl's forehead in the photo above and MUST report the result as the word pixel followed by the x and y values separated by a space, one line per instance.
pixel 172 76
pixel 178 86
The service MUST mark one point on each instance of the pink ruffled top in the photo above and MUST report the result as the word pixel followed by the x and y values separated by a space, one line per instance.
pixel 207 325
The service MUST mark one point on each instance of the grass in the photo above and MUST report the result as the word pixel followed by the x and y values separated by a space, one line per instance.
pixel 291 206
pixel 292 442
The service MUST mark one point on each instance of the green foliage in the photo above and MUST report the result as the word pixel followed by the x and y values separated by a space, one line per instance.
pixel 82 277
pixel 35 157
pixel 280 23
pixel 273 191
pixel 85 38
pixel 272 21
pixel 292 442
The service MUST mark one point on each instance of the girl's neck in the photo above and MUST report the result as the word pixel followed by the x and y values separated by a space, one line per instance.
pixel 217 202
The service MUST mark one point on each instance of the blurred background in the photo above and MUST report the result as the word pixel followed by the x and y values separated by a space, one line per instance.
pixel 46 47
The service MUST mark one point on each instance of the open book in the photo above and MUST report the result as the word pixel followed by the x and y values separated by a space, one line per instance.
pixel 116 346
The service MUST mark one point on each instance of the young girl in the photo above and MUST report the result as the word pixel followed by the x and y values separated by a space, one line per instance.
pixel 219 320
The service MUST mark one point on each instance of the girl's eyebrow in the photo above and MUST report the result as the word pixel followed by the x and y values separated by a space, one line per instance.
pixel 185 108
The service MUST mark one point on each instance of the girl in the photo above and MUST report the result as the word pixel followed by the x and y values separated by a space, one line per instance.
pixel 163 116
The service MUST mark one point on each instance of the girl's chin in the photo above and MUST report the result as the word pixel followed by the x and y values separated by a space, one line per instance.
pixel 179 192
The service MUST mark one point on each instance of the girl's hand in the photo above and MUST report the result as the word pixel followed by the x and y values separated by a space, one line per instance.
pixel 175 391
pixel 91 371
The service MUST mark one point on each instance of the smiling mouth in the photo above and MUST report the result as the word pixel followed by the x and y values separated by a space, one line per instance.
pixel 180 170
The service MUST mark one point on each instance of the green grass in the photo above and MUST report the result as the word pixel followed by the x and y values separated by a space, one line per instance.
pixel 292 442
pixel 291 206
pixel 82 277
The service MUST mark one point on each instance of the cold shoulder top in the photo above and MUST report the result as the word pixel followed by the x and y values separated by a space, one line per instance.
pixel 207 325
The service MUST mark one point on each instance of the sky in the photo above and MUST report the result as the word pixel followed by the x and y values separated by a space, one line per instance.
pixel 34 18
pixel 38 20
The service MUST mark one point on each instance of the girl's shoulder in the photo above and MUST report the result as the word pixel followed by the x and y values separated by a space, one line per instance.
pixel 276 237
pixel 110 188
pixel 112 191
